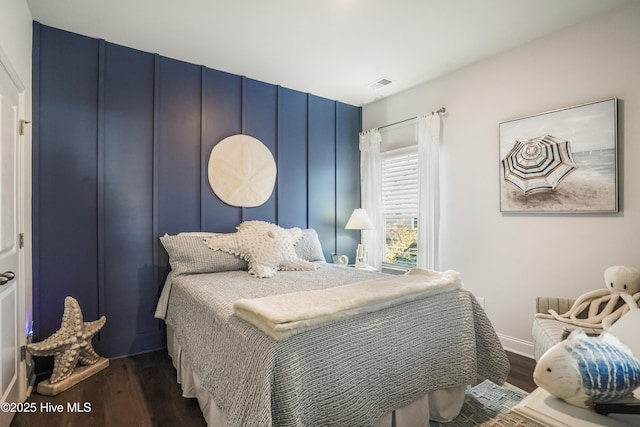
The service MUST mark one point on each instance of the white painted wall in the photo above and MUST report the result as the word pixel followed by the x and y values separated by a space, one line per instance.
pixel 511 259
pixel 15 38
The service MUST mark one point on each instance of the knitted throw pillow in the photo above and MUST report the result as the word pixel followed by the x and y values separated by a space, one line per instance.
pixel 266 247
pixel 188 255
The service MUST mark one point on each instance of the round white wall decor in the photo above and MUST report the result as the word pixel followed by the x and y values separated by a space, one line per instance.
pixel 242 171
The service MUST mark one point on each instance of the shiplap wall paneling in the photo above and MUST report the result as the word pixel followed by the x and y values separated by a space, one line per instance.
pixel 222 117
pixel 292 158
pixel 67 177
pixel 259 120
pixel 322 171
pixel 347 176
pixel 127 214
pixel 177 162
pixel 121 144
pixel 178 147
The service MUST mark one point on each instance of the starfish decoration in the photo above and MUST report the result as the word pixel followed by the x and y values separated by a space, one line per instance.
pixel 71 343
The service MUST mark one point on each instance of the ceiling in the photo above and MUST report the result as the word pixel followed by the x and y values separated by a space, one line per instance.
pixel 331 48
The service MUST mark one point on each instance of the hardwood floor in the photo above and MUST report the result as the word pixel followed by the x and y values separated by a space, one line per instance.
pixel 133 391
pixel 142 391
pixel 521 374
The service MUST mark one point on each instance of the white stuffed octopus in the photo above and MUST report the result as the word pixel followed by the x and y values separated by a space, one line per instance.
pixel 620 282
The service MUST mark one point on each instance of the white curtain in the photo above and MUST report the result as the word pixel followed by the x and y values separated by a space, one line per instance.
pixel 428 136
pixel 370 170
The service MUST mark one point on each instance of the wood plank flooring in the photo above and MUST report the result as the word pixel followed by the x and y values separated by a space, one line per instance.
pixel 142 391
pixel 133 391
pixel 521 373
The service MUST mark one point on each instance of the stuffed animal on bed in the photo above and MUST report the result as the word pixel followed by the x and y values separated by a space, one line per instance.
pixel 621 282
pixel 266 247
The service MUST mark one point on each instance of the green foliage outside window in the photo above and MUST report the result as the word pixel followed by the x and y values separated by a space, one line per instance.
pixel 401 246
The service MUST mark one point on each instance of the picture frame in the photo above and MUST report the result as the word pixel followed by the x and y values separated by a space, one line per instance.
pixel 561 161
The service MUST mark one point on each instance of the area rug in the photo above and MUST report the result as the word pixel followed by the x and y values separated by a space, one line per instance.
pixel 487 404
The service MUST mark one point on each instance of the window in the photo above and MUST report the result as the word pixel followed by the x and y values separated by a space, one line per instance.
pixel 400 206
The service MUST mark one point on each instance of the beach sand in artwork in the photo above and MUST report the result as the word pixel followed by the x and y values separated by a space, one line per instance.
pixel 570 196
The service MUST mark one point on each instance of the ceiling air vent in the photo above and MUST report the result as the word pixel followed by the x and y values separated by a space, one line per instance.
pixel 381 82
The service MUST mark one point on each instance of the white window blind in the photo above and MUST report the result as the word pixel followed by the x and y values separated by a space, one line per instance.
pixel 400 205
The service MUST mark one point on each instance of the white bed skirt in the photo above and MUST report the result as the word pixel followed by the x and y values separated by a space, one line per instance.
pixel 439 405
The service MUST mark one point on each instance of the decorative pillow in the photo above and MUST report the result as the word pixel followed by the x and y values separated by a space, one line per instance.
pixel 189 255
pixel 309 247
pixel 266 247
pixel 203 234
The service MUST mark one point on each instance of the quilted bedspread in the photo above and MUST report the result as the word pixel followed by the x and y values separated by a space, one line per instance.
pixel 349 372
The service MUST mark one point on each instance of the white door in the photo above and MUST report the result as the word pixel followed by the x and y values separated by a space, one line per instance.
pixel 10 298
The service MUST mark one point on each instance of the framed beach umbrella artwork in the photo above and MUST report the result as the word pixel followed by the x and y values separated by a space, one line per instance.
pixel 561 161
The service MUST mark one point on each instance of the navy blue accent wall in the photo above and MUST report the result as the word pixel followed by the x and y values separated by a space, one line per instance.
pixel 221 117
pixel 67 176
pixel 292 158
pixel 259 119
pixel 321 174
pixel 348 123
pixel 121 143
pixel 126 217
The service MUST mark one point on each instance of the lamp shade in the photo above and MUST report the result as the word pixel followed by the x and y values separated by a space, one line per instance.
pixel 359 220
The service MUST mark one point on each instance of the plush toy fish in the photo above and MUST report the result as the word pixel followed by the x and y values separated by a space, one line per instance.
pixel 585 370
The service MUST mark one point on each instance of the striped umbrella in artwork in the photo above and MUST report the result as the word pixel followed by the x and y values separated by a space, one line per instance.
pixel 538 164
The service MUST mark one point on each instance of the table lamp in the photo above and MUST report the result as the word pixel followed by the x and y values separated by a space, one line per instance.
pixel 359 220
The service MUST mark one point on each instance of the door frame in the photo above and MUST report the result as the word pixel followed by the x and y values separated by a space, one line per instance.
pixel 23 220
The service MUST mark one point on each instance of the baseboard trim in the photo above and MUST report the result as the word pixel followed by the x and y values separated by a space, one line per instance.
pixel 516 345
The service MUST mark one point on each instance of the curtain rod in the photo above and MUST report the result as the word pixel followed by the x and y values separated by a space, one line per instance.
pixel 441 110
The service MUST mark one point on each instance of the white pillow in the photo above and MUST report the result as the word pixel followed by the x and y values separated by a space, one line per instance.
pixel 266 247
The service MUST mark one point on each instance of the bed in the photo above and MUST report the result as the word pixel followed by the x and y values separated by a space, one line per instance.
pixel 398 365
